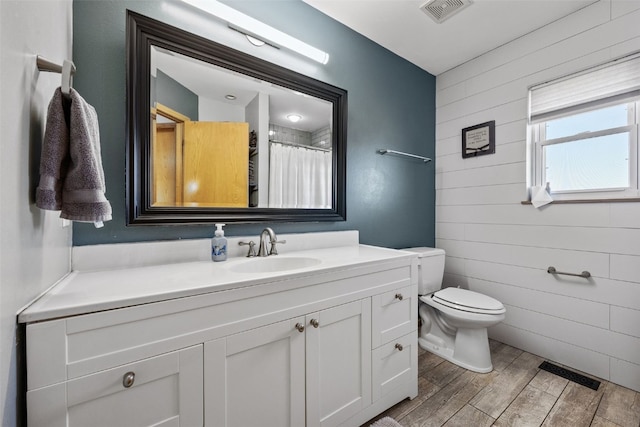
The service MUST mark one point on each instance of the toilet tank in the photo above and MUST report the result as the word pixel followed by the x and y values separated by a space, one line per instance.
pixel 430 269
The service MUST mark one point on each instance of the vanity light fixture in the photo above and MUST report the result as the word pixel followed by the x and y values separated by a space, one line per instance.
pixel 255 41
pixel 262 32
pixel 295 118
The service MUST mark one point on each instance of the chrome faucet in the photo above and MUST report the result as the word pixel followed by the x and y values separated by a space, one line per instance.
pixel 271 235
pixel 252 250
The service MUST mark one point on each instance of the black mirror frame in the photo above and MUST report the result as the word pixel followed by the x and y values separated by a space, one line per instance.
pixel 142 33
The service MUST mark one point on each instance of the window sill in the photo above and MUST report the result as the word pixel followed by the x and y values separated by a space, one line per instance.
pixel 567 202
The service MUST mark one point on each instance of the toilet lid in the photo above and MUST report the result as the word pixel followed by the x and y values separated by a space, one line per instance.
pixel 463 299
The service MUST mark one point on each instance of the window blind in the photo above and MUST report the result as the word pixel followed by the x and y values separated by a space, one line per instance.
pixel 616 80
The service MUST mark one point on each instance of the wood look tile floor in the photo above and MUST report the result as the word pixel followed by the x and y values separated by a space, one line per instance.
pixel 516 393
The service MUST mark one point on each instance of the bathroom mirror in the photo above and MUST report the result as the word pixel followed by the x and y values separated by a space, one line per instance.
pixel 217 135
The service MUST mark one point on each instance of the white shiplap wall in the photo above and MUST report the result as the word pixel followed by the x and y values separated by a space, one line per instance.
pixel 497 246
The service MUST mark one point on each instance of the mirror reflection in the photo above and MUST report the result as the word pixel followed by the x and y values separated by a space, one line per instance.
pixel 223 139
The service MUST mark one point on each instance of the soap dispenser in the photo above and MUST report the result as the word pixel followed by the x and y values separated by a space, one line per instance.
pixel 219 244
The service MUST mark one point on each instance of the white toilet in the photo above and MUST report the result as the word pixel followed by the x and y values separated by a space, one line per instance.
pixel 454 320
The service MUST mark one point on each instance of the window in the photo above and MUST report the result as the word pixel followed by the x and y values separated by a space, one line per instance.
pixel 584 133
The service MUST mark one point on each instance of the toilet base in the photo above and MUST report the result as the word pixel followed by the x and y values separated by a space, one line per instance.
pixel 470 351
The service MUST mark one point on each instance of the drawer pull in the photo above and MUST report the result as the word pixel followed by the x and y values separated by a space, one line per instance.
pixel 300 327
pixel 128 379
pixel 399 346
pixel 399 296
pixel 314 323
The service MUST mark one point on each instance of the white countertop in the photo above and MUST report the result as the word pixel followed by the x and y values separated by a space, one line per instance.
pixel 84 292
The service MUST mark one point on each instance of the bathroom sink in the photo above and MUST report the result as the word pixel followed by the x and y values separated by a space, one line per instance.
pixel 273 264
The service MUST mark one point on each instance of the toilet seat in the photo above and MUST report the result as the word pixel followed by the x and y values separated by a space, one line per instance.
pixel 465 300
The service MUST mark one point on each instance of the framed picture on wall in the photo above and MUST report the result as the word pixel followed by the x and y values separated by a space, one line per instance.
pixel 479 140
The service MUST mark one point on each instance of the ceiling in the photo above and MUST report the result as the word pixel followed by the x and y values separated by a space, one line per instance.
pixel 403 28
pixel 215 83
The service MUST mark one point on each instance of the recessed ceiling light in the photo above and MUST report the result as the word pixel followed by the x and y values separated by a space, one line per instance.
pixel 230 97
pixel 294 117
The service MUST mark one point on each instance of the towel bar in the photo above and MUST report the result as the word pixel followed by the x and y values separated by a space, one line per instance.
pixel 46 65
pixel 400 153
pixel 585 274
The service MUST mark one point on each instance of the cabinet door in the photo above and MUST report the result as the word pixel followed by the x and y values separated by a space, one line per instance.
pixel 338 363
pixel 256 378
pixel 165 390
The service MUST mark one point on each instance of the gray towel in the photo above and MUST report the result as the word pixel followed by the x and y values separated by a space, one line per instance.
pixel 71 175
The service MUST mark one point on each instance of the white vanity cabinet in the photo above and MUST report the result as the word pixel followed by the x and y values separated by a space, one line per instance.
pixel 321 347
pixel 269 375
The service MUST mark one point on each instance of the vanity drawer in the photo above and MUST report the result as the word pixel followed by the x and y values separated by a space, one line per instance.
pixel 394 314
pixel 162 390
pixel 394 364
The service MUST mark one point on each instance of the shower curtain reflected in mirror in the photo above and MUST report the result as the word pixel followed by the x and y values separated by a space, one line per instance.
pixel 299 177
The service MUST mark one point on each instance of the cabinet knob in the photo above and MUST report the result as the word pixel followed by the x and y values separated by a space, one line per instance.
pixel 399 296
pixel 399 346
pixel 128 379
pixel 300 327
pixel 314 323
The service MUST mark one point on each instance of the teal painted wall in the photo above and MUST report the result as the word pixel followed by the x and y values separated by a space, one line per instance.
pixel 174 96
pixel 390 200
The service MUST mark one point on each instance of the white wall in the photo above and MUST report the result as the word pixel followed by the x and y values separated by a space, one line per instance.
pixel 34 248
pixel 500 247
pixel 210 110
pixel 257 114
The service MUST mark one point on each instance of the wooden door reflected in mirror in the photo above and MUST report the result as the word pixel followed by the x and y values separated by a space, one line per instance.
pixel 216 164
pixel 198 164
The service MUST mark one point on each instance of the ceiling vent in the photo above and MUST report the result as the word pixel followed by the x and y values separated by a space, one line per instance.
pixel 441 10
